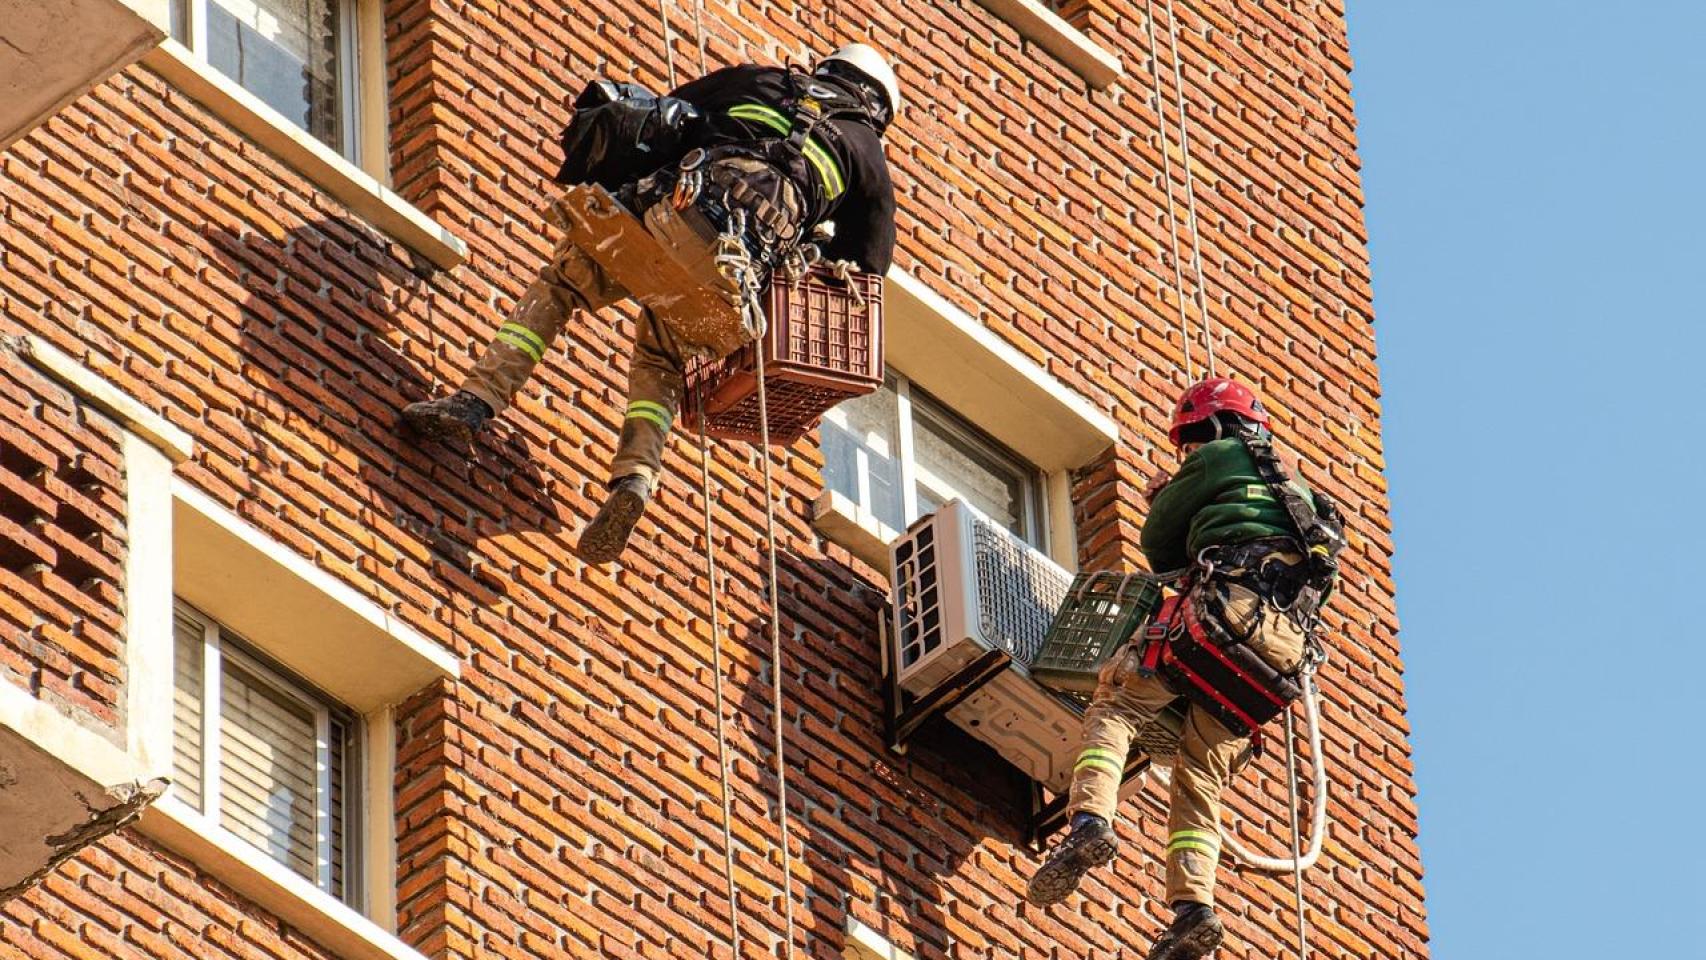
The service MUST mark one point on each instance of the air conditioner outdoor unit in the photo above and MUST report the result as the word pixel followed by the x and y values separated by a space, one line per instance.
pixel 962 586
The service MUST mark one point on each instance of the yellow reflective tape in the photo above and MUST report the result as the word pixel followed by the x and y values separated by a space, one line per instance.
pixel 650 407
pixel 505 336
pixel 648 415
pixel 826 169
pixel 820 158
pixel 1203 835
pixel 1100 752
pixel 759 113
pixel 1258 491
pixel 1197 845
pixel 525 334
pixel 1100 764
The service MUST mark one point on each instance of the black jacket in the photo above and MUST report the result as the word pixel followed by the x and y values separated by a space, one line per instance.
pixel 864 212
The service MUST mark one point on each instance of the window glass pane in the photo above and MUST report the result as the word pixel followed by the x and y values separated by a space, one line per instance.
pixel 861 454
pixel 269 769
pixel 952 461
pixel 286 52
pixel 186 709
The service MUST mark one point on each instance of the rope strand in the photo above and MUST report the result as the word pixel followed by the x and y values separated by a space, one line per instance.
pixel 668 40
pixel 1207 322
pixel 1296 840
pixel 717 674
pixel 1172 210
pixel 776 653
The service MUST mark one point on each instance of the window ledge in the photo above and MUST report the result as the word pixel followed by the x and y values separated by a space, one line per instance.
pixel 357 653
pixel 321 917
pixel 364 195
pixel 842 521
pixel 971 369
pixel 1037 23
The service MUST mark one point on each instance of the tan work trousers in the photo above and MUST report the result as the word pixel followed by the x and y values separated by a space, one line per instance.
pixel 655 386
pixel 1209 753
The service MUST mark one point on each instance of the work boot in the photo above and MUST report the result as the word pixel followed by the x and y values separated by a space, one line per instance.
pixel 603 539
pixel 1091 844
pixel 459 415
pixel 1195 932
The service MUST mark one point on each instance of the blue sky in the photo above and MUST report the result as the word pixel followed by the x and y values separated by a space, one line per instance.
pixel 1537 204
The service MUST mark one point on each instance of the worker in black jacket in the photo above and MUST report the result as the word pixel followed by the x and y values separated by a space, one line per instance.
pixel 757 158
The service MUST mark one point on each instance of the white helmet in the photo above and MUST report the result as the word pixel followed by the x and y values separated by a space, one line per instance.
pixel 865 59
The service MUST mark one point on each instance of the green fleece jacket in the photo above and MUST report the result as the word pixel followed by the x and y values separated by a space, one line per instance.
pixel 1216 498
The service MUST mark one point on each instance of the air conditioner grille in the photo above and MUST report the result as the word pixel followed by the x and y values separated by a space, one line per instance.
pixel 919 596
pixel 1018 592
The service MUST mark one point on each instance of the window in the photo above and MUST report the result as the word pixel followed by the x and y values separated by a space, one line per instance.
pixel 296 55
pixel 264 756
pixel 899 454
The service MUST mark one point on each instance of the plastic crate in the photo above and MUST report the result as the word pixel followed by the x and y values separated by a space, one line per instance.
pixel 824 345
pixel 1100 614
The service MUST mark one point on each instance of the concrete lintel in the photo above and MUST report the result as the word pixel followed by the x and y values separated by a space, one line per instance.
pixel 121 406
pixel 971 369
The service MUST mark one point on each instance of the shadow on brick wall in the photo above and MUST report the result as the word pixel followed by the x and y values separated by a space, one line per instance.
pixel 326 332
pixel 905 825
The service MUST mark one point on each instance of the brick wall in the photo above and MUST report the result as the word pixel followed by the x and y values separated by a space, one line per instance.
pixel 561 800
pixel 62 546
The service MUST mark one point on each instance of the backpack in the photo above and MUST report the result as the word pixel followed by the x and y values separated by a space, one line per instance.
pixel 620 132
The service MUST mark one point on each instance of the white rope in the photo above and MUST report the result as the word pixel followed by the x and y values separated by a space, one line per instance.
pixel 711 573
pixel 1251 860
pixel 699 31
pixel 711 569
pixel 1190 188
pixel 1172 210
pixel 1318 814
pixel 668 40
pixel 776 653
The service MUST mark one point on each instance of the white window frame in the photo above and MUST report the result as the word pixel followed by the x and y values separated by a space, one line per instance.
pixel 1034 496
pixel 351 96
pixel 215 640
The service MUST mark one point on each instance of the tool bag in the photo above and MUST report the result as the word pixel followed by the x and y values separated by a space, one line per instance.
pixel 620 132
pixel 1188 643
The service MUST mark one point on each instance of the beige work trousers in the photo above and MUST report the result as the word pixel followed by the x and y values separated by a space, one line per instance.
pixel 1209 753
pixel 655 375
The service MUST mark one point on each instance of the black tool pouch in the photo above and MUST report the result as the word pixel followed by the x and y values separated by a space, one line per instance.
pixel 621 132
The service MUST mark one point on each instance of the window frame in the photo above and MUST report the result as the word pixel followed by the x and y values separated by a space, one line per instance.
pixel 217 643
pixel 1034 519
pixel 350 95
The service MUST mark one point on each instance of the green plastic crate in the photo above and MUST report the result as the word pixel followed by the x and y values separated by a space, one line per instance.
pixel 1101 612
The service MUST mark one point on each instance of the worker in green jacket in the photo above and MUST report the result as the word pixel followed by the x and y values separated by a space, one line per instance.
pixel 1219 523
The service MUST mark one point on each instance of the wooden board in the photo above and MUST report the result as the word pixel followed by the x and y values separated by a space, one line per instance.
pixel 598 224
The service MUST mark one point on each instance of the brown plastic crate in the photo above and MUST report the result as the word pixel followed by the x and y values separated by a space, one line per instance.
pixel 822 347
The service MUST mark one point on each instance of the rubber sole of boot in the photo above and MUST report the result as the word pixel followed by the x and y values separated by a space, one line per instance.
pixel 1055 880
pixel 1197 943
pixel 424 421
pixel 607 535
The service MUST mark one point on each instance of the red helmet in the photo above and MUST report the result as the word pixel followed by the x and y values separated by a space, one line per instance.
pixel 1209 397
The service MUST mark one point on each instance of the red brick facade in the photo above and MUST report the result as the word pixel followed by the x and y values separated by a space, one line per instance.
pixel 561 799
